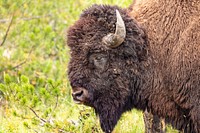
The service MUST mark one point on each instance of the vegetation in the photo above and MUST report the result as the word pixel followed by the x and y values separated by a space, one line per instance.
pixel 35 95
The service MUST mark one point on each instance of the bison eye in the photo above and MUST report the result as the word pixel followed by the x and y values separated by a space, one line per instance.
pixel 99 60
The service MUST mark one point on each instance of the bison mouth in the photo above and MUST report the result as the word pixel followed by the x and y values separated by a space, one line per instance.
pixel 80 95
pixel 108 109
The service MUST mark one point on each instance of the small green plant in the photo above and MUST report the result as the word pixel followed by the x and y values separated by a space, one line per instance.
pixel 42 101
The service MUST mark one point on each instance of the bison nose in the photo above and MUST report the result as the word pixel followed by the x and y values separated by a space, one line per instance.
pixel 80 95
pixel 77 94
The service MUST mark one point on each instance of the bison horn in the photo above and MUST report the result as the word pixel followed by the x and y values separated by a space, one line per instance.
pixel 113 40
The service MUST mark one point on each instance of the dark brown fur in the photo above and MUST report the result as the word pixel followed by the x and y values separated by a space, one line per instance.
pixel 161 77
pixel 173 29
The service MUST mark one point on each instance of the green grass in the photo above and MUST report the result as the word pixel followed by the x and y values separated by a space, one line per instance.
pixel 33 65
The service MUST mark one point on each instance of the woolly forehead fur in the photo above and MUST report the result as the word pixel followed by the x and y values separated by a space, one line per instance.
pixel 98 21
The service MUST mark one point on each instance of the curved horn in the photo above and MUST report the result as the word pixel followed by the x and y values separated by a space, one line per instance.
pixel 116 39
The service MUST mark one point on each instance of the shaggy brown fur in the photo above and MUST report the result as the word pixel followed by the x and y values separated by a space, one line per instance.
pixel 173 29
pixel 162 76
pixel 153 124
pixel 111 76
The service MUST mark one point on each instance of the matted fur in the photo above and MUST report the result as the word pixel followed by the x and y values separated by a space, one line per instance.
pixel 162 77
pixel 113 86
pixel 173 29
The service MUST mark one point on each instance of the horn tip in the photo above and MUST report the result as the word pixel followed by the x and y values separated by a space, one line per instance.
pixel 117 12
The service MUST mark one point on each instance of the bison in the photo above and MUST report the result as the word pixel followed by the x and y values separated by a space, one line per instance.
pixel 121 59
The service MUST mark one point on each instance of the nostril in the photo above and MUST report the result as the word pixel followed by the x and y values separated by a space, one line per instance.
pixel 80 95
pixel 77 93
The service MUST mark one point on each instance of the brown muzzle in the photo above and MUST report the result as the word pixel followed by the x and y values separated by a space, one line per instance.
pixel 80 95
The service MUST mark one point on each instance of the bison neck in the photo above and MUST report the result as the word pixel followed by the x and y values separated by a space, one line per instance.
pixel 173 29
pixel 165 21
pixel 152 95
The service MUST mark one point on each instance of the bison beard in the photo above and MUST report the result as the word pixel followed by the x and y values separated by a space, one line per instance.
pixel 109 114
pixel 118 77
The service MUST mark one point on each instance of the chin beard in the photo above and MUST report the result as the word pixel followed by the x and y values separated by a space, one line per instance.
pixel 109 116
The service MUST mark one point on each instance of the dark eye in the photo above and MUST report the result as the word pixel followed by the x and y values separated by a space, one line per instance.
pixel 99 60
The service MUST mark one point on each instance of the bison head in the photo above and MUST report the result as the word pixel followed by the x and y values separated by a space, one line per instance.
pixel 108 58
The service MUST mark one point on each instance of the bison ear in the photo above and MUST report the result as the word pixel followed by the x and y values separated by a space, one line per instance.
pixel 113 40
